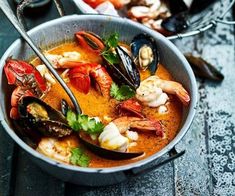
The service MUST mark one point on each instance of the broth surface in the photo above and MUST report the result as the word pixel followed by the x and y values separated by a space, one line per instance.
pixel 94 104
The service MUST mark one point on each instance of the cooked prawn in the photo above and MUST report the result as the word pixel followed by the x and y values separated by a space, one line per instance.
pixel 58 149
pixel 151 89
pixel 139 124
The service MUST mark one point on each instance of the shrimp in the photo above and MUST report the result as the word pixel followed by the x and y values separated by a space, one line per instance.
pixel 65 60
pixel 151 91
pixel 125 123
pixel 58 149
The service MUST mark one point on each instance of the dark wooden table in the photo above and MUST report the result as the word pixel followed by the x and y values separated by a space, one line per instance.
pixel 207 168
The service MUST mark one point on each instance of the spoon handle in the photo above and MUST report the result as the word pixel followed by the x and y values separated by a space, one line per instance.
pixel 10 15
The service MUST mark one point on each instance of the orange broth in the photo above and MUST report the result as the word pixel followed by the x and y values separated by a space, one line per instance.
pixel 94 104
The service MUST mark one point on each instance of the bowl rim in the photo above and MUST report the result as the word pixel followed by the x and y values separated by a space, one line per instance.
pixel 179 136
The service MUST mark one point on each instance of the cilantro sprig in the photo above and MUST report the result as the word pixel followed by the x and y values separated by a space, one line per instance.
pixel 121 93
pixel 110 44
pixel 78 157
pixel 83 122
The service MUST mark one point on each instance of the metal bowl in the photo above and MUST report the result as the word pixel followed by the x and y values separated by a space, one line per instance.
pixel 62 30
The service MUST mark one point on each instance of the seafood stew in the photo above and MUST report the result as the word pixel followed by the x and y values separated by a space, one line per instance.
pixel 127 108
pixel 165 16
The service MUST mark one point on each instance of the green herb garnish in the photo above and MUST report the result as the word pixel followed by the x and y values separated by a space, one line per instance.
pixel 83 122
pixel 112 40
pixel 78 157
pixel 110 57
pixel 121 93
pixel 108 53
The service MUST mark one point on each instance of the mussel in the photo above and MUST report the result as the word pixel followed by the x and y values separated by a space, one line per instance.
pixel 182 11
pixel 176 23
pixel 203 69
pixel 145 53
pixel 39 116
pixel 128 67
pixel 124 72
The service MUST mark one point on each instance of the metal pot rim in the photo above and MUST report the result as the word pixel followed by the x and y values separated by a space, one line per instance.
pixel 181 133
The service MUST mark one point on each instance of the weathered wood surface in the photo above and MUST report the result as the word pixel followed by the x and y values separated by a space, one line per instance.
pixel 207 168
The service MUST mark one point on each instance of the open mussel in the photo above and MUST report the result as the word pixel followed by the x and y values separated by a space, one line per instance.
pixel 145 52
pixel 40 117
pixel 182 11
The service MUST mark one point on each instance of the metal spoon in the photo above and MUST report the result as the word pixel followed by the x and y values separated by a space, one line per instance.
pixel 10 15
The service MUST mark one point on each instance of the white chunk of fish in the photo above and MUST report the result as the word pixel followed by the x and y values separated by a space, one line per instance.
pixel 162 109
pixel 132 135
pixel 46 74
pixel 111 139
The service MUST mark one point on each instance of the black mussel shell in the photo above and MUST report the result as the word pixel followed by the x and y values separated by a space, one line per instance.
pixel 55 125
pixel 176 23
pixel 32 138
pixel 64 107
pixel 128 67
pixel 125 72
pixel 203 69
pixel 138 42
pixel 108 154
pixel 117 76
pixel 52 128
pixel 177 6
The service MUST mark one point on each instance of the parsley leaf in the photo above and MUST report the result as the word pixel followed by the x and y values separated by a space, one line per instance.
pixel 112 40
pixel 114 90
pixel 72 120
pixel 111 57
pixel 83 122
pixel 121 93
pixel 108 53
pixel 78 157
